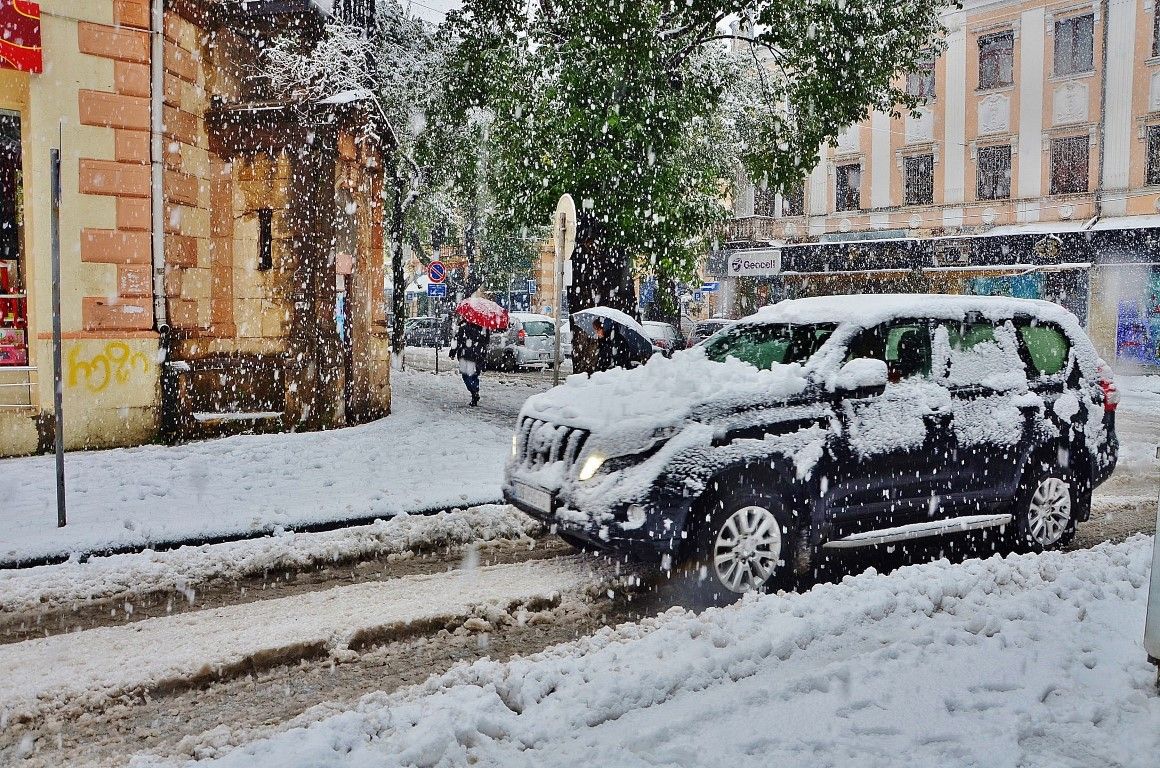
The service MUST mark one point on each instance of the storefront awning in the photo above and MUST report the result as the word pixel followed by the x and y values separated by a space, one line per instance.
pixel 1127 222
pixel 1018 269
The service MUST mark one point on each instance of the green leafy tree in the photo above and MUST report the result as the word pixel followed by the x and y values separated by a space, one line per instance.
pixel 642 110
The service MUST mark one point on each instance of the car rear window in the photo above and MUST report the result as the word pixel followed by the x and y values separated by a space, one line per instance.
pixel 1047 346
pixel 538 328
pixel 763 345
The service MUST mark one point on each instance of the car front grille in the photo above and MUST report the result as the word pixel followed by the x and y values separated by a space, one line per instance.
pixel 542 442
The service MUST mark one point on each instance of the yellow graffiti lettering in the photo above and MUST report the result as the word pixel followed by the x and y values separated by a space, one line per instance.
pixel 117 362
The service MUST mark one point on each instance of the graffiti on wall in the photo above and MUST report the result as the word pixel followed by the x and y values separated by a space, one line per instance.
pixel 115 363
pixel 1138 323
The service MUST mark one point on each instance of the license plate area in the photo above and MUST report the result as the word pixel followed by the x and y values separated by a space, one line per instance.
pixel 536 498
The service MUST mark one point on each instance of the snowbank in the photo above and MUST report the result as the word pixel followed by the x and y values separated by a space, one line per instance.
pixel 1030 660
pixel 54 586
pixel 422 457
pixel 51 674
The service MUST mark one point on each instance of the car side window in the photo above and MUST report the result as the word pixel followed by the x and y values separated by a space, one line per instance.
pixel 1047 348
pixel 904 347
pixel 979 353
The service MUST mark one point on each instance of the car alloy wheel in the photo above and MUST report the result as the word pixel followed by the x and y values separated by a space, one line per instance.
pixel 1049 513
pixel 747 550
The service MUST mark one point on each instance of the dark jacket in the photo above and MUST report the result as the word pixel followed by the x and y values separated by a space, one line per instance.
pixel 612 351
pixel 471 344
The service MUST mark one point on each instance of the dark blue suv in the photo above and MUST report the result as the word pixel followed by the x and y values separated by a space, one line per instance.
pixel 827 423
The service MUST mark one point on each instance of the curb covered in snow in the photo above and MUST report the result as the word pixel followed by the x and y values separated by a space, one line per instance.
pixel 182 568
pixel 195 541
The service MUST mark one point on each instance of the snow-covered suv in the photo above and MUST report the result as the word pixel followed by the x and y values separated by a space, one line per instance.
pixel 830 422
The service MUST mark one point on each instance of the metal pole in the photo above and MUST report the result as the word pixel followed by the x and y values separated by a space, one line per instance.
pixel 561 232
pixel 57 385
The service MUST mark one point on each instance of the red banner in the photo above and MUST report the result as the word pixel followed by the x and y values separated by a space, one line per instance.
pixel 20 36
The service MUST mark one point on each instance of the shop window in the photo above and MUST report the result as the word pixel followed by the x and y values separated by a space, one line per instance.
pixel 919 180
pixel 1152 171
pixel 1069 165
pixel 265 239
pixel 763 200
pixel 13 301
pixel 993 173
pixel 920 83
pixel 1074 41
pixel 996 60
pixel 793 200
pixel 847 190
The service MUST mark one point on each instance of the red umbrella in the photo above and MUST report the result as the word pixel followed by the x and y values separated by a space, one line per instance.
pixel 484 313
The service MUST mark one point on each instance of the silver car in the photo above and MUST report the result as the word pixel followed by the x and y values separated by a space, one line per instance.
pixel 529 341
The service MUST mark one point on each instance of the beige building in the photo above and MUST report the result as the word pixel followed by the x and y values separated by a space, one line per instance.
pixel 221 253
pixel 1041 119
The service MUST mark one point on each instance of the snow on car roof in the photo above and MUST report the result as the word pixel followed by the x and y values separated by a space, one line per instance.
pixel 867 310
pixel 522 316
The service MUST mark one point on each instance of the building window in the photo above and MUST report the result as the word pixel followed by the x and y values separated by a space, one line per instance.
pixel 265 239
pixel 849 180
pixel 993 173
pixel 996 60
pixel 1156 32
pixel 763 202
pixel 919 180
pixel 1069 165
pixel 793 200
pixel 921 82
pixel 1074 40
pixel 1152 172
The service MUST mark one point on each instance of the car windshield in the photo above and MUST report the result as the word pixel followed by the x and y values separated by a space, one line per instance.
pixel 763 345
pixel 538 328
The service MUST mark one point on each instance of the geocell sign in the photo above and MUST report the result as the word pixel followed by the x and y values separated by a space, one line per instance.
pixel 754 263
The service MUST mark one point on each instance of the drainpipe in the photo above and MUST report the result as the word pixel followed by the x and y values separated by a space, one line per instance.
pixel 157 160
pixel 168 382
pixel 1104 21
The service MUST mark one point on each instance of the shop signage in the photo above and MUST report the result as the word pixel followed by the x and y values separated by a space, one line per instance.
pixel 755 263
pixel 20 36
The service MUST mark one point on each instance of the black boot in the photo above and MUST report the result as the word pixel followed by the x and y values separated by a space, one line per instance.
pixel 475 398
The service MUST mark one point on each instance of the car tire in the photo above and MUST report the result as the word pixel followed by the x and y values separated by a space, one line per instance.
pixel 1046 507
pixel 743 542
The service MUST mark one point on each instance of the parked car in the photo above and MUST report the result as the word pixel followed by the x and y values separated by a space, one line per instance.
pixel 529 341
pixel 707 328
pixel 423 332
pixel 825 424
pixel 665 337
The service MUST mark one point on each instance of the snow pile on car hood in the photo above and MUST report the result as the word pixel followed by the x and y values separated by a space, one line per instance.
pixel 664 392
pixel 1006 661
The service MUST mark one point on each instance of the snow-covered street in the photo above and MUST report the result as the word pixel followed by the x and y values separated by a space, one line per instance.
pixel 278 638
pixel 1001 662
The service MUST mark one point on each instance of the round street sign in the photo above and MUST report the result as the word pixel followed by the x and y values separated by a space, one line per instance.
pixel 436 272
pixel 566 209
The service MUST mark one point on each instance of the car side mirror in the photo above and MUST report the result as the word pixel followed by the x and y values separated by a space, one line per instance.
pixel 860 372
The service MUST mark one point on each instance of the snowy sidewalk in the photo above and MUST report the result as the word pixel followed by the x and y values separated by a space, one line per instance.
pixel 432 453
pixel 90 667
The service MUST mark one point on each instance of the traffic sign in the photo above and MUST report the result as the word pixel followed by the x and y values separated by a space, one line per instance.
pixel 437 289
pixel 710 287
pixel 698 296
pixel 436 272
pixel 531 287
pixel 564 226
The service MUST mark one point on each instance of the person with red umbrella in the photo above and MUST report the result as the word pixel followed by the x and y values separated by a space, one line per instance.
pixel 477 318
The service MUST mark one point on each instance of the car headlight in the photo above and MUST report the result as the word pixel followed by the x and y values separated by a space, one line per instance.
pixel 591 465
